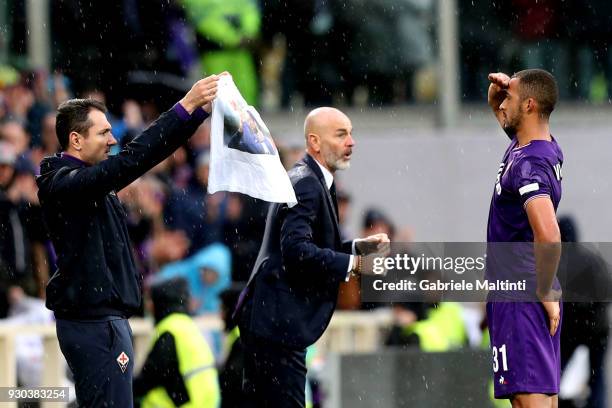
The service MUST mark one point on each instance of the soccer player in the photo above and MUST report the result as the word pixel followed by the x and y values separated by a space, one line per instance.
pixel 525 330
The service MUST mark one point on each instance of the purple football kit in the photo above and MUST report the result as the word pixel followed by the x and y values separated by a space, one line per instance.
pixel 526 358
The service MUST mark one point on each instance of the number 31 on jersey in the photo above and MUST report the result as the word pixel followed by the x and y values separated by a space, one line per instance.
pixel 500 354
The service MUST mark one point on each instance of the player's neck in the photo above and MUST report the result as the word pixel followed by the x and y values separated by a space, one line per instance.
pixel 533 131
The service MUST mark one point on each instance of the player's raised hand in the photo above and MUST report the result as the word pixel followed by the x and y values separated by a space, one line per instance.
pixel 201 93
pixel 500 79
pixel 497 92
pixel 374 244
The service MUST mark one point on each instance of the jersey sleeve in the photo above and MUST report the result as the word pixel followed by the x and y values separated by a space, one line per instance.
pixel 532 178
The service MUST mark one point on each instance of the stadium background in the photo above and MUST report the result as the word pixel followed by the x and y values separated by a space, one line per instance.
pixel 410 73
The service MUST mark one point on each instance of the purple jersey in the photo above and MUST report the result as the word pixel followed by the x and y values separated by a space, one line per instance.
pixel 526 172
pixel 526 358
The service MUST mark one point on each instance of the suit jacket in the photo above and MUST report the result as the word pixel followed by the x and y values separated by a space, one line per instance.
pixel 293 288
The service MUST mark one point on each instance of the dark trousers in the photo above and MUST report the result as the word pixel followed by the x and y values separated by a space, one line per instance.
pixel 274 375
pixel 101 357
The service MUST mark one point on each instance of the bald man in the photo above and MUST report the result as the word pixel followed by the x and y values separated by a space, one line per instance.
pixel 292 291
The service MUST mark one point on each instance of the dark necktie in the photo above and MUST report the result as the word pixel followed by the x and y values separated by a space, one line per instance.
pixel 332 192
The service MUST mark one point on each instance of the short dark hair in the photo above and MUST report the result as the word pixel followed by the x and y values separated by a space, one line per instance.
pixel 73 116
pixel 541 86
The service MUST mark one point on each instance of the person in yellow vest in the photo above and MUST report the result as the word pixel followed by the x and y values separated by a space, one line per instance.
pixel 443 329
pixel 180 368
pixel 226 31
pixel 438 328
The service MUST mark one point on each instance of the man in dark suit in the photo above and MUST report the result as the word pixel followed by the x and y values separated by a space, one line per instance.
pixel 292 292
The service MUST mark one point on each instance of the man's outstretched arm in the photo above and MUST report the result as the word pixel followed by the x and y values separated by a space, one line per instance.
pixel 152 146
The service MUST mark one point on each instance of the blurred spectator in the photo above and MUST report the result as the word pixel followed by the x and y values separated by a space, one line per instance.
pixel 15 254
pixel 180 169
pixel 432 327
pixel 226 34
pixel 155 245
pixel 33 96
pixel 243 227
pixel 193 210
pixel 586 322
pixel 167 246
pixel 49 144
pixel 132 123
pixel 24 194
pixel 180 368
pixel 49 92
pixel 133 119
pixel 189 207
pixel 207 274
pixel 200 141
pixel 344 208
pixel 18 100
pixel 8 157
pixel 14 132
pixel 405 315
pixel 290 154
pixel 7 214
pixel 375 222
pixel 8 76
pixel 28 348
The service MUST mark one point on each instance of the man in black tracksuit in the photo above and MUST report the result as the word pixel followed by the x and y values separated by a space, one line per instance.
pixel 96 286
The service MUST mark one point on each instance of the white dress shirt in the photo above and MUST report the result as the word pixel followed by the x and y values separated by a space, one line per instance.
pixel 329 180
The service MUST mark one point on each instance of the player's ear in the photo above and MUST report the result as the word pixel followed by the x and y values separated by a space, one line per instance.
pixel 530 105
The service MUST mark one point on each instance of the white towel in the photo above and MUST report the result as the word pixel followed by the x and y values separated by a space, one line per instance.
pixel 243 156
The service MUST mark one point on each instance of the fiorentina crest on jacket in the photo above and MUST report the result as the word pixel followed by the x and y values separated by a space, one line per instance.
pixel 123 361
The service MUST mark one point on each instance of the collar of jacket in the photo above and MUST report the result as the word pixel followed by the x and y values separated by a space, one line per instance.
pixel 73 159
pixel 311 162
pixel 314 166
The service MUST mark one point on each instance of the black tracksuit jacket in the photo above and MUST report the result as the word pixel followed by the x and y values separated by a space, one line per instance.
pixel 96 274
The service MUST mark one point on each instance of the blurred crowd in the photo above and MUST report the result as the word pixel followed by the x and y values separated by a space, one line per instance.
pixel 286 54
pixel 569 38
